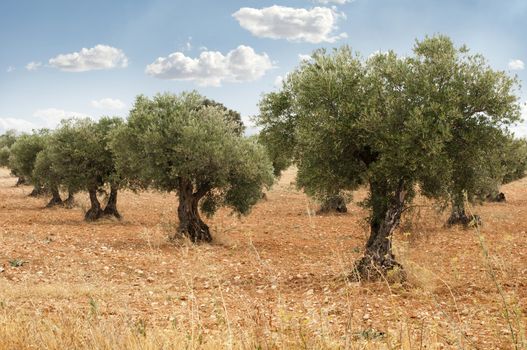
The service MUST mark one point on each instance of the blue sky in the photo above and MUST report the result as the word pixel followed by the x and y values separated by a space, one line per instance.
pixel 72 58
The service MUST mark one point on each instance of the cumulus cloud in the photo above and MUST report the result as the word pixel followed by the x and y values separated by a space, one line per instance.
pixel 278 81
pixel 32 66
pixel 520 129
pixel 98 57
pixel 17 124
pixel 212 68
pixel 516 65
pixel 108 104
pixel 51 117
pixel 302 57
pixel 315 25
pixel 43 118
pixel 338 2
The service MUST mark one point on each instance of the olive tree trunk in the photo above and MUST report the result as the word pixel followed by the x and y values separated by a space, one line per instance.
pixel 498 197
pixel 20 181
pixel 458 216
pixel 111 206
pixel 95 212
pixel 333 204
pixel 190 223
pixel 378 258
pixel 55 198
pixel 70 201
pixel 37 191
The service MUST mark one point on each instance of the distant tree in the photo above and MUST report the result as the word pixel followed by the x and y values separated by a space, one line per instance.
pixel 175 144
pixel 79 153
pixel 22 156
pixel 511 154
pixel 6 141
pixel 514 160
pixel 230 115
pixel 387 122
pixel 4 156
pixel 44 175
pixel 480 103
pixel 279 138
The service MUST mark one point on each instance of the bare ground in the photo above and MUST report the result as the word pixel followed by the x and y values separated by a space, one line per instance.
pixel 273 279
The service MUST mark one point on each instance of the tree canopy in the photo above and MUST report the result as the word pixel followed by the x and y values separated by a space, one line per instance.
pixel 393 123
pixel 7 139
pixel 79 152
pixel 175 143
pixel 23 154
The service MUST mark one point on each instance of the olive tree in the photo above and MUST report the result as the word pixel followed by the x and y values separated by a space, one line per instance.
pixel 7 139
pixel 480 103
pixel 514 159
pixel 80 156
pixel 22 155
pixel 386 122
pixel 176 144
pixel 230 114
pixel 279 138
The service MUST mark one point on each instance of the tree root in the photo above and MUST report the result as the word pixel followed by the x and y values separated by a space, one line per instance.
pixel 334 204
pixel 371 269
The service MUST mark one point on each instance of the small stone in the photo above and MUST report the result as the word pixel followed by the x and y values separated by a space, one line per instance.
pixel 150 279
pixel 366 317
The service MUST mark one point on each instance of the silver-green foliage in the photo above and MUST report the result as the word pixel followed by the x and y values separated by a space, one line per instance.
pixel 171 139
pixel 7 139
pixel 23 153
pixel 393 123
pixel 79 153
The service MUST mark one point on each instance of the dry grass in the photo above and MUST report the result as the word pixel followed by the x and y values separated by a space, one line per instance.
pixel 274 279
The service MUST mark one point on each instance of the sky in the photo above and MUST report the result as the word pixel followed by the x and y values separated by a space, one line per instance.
pixel 68 58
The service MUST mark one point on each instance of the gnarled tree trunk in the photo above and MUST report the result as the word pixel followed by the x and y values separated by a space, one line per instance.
pixel 190 223
pixel 20 181
pixel 37 191
pixel 95 212
pixel 378 257
pixel 55 198
pixel 498 197
pixel 111 206
pixel 334 204
pixel 458 216
pixel 70 201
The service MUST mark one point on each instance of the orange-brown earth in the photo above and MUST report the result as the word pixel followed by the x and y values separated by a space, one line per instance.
pixel 280 270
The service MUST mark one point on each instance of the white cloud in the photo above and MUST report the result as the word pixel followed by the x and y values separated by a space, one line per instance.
pixel 18 124
pixel 10 69
pixel 108 104
pixel 338 2
pixel 31 66
pixel 520 129
pixel 315 25
pixel 516 64
pixel 98 57
pixel 302 57
pixel 42 118
pixel 212 68
pixel 278 81
pixel 51 117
